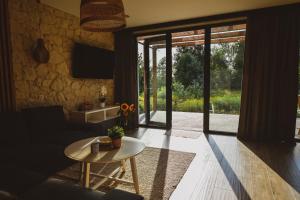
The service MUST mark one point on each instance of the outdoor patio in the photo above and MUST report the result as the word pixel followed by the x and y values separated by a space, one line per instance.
pixel 194 121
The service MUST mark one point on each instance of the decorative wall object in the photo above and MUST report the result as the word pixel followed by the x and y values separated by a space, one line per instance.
pixel 102 97
pixel 40 53
pixel 102 15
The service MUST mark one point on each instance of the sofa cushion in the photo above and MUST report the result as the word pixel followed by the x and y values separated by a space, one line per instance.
pixel 16 180
pixel 13 129
pixel 60 190
pixel 44 120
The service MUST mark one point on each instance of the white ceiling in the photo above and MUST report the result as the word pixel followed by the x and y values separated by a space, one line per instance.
pixel 144 12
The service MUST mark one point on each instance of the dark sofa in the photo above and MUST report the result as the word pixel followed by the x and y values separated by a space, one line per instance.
pixel 32 144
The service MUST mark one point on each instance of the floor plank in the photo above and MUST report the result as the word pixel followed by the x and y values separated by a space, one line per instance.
pixel 223 194
pixel 226 168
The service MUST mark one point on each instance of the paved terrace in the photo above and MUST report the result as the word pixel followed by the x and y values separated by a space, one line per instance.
pixel 194 121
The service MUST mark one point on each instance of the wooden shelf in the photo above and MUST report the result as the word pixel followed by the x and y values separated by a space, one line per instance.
pixel 95 116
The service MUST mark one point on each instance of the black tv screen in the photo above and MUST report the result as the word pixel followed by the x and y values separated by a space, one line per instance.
pixel 92 62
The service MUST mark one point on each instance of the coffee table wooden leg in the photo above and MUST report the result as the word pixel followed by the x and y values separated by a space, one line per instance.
pixel 134 175
pixel 123 165
pixel 86 175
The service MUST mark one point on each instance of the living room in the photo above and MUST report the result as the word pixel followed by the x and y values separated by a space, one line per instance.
pixel 104 99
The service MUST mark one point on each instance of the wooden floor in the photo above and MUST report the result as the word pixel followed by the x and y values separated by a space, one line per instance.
pixel 226 168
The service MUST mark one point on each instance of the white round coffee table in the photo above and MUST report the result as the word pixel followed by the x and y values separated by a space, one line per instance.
pixel 81 151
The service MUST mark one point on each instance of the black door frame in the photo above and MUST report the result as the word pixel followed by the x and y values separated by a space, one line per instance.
pixel 147 81
pixel 168 125
pixel 206 89
pixel 207 57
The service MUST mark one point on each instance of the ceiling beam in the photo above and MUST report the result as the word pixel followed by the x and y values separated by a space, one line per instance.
pixel 201 42
pixel 201 37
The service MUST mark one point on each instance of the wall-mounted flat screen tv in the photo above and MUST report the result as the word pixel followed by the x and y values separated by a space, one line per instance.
pixel 92 62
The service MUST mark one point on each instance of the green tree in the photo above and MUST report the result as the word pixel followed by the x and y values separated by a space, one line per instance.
pixel 238 63
pixel 220 71
pixel 161 73
pixel 227 62
pixel 188 65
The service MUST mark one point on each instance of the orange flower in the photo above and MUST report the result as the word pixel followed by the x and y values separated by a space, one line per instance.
pixel 132 108
pixel 124 107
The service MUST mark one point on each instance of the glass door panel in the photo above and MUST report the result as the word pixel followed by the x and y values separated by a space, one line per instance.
pixel 157 80
pixel 152 71
pixel 226 69
pixel 188 79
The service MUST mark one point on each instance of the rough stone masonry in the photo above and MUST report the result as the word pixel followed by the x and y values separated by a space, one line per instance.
pixel 51 83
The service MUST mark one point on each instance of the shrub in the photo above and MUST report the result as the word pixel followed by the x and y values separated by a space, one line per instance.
pixel 141 104
pixel 161 93
pixel 161 104
pixel 194 91
pixel 178 90
pixel 226 104
pixel 190 105
pixel 224 101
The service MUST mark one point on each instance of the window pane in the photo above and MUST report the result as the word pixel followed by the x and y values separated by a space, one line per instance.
pixel 188 79
pixel 226 70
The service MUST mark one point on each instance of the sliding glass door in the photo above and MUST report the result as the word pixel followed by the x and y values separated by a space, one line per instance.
pixel 154 96
pixel 201 87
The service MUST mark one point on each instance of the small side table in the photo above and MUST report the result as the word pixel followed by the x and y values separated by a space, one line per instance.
pixel 81 151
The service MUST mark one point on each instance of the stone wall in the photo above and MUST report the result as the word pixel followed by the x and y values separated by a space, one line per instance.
pixel 51 83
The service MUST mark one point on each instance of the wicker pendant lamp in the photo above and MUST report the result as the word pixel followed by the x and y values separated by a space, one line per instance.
pixel 102 15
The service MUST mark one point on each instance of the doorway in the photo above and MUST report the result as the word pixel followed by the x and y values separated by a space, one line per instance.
pixel 205 67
